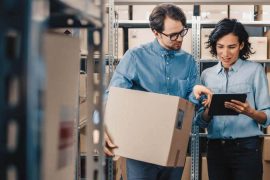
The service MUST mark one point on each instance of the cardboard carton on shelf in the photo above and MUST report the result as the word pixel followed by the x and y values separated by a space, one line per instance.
pixel 213 13
pixel 205 52
pixel 242 12
pixel 259 46
pixel 61 100
pixel 149 127
pixel 263 13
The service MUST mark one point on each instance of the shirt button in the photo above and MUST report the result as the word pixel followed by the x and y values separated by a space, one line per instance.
pixel 167 63
pixel 168 78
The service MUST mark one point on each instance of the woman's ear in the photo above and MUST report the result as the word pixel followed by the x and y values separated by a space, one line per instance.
pixel 241 45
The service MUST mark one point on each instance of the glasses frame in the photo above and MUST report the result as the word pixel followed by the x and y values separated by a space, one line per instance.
pixel 175 36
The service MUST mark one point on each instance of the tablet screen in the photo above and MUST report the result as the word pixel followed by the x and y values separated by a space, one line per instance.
pixel 217 107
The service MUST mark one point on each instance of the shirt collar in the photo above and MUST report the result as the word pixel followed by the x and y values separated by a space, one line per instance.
pixel 235 67
pixel 163 51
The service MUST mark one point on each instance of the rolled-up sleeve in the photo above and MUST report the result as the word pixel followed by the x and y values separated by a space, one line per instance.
pixel 124 74
pixel 262 99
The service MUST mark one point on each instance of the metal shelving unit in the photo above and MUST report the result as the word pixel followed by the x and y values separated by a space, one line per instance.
pixel 22 80
pixel 20 88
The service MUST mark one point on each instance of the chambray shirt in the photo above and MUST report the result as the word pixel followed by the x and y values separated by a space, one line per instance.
pixel 243 77
pixel 152 68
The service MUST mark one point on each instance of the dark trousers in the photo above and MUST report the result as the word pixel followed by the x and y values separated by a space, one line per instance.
pixel 238 159
pixel 138 170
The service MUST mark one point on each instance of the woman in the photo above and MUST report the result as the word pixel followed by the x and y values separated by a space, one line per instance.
pixel 234 146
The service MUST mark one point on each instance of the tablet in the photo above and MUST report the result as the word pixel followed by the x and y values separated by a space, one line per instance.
pixel 217 107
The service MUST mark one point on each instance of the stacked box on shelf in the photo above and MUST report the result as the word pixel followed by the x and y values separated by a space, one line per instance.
pixel 138 36
pixel 263 13
pixel 122 11
pixel 188 10
pixel 267 34
pixel 205 52
pixel 142 12
pixel 62 58
pixel 259 46
pixel 242 12
pixel 213 13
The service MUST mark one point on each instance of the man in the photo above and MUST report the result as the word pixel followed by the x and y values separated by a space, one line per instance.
pixel 160 67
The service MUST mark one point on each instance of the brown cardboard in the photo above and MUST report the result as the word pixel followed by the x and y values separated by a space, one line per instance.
pixel 259 46
pixel 263 13
pixel 138 36
pixel 187 169
pixel 61 99
pixel 205 52
pixel 266 170
pixel 267 34
pixel 83 86
pixel 187 40
pixel 83 138
pixel 242 12
pixel 266 148
pixel 142 125
pixel 213 13
pixel 204 169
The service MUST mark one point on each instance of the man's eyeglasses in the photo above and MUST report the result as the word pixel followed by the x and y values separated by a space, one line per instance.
pixel 175 36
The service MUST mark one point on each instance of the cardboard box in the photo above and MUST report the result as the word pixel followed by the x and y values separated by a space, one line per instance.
pixel 83 79
pixel 242 12
pixel 83 35
pixel 142 12
pixel 259 46
pixel 188 10
pixel 61 100
pixel 123 12
pixel 121 167
pixel 187 169
pixel 205 52
pixel 149 127
pixel 138 36
pixel 204 169
pixel 120 48
pixel 267 34
pixel 187 42
pixel 263 13
pixel 266 148
pixel 83 112
pixel 83 139
pixel 266 170
pixel 214 13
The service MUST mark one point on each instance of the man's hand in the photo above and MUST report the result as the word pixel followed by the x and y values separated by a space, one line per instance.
pixel 199 90
pixel 109 145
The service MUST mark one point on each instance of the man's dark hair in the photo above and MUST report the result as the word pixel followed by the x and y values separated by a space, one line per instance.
pixel 225 27
pixel 162 11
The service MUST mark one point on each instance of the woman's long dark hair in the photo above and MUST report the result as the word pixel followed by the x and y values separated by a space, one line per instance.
pixel 227 26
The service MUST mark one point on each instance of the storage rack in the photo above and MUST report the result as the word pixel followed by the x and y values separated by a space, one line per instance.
pixel 196 25
pixel 20 31
pixel 22 68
